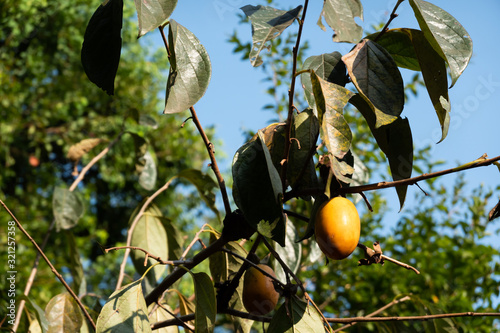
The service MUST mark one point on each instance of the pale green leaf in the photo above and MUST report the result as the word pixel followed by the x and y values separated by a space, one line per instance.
pixel 190 69
pixel 206 307
pixel 296 316
pixel 446 35
pixel 339 15
pixel 63 314
pixel 153 13
pixel 291 253
pixel 125 311
pixel 147 177
pixel 267 23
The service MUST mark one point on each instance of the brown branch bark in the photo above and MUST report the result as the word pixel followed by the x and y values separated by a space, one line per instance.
pixel 391 17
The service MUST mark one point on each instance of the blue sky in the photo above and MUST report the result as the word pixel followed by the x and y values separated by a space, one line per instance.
pixel 236 94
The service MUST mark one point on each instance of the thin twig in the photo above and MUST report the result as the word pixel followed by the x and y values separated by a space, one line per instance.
pixel 391 17
pixel 376 312
pixel 481 162
pixel 131 230
pixel 195 239
pixel 179 321
pixel 148 254
pixel 54 270
pixel 291 93
pixel 34 269
pixel 399 263
pixel 409 318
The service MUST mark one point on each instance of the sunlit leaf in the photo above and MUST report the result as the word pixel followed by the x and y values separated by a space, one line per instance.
pixel 39 312
pixel 147 177
pixel 446 35
pixel 378 80
pixel 150 235
pixel 339 15
pixel 296 316
pixel 395 140
pixel 67 208
pixel 102 45
pixel 125 311
pixel 267 23
pixel 161 314
pixel 328 67
pixel 153 13
pixel 63 314
pixel 274 138
pixel 291 253
pixel 330 102
pixel 190 69
pixel 206 307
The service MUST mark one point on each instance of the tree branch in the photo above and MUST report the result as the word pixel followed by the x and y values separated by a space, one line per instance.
pixel 148 255
pixel 291 92
pixel 54 270
pixel 131 230
pixel 391 17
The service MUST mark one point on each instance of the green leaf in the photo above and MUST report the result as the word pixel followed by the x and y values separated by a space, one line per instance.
pixel 274 138
pixel 267 24
pixel 301 169
pixel 291 253
pixel 330 102
pixel 102 44
pixel 190 69
pixel 205 186
pixel 329 67
pixel 141 148
pixel 150 235
pixel 446 35
pixel 67 208
pixel 147 177
pixel 296 316
pixel 400 47
pixel 495 212
pixel 206 307
pixel 125 311
pixel 396 142
pixel 147 120
pixel 433 70
pixel 75 264
pixel 312 219
pixel 63 314
pixel 153 13
pixel 378 80
pixel 175 239
pixel 257 189
pixel 339 15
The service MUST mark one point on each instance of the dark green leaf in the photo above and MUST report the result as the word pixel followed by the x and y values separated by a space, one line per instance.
pixel 312 219
pixel 149 234
pixel 301 170
pixel 63 314
pixel 434 72
pixel 329 67
pixel 153 13
pixel 102 45
pixel 206 307
pixel 174 239
pixel 190 69
pixel 274 137
pixel 257 189
pixel 399 46
pixel 339 15
pixel 205 186
pixel 495 212
pixel 378 80
pixel 67 208
pixel 147 177
pixel 267 23
pixel 396 142
pixel 330 102
pixel 141 148
pixel 299 317
pixel 446 35
pixel 125 311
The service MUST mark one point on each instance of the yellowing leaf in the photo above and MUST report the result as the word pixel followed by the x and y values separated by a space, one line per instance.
pixel 79 149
